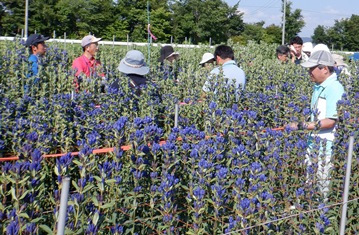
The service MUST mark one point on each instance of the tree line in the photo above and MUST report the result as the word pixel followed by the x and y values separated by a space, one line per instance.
pixel 342 36
pixel 195 21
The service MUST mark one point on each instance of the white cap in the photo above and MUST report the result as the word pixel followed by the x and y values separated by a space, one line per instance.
pixel 307 47
pixel 89 39
pixel 320 47
pixel 206 57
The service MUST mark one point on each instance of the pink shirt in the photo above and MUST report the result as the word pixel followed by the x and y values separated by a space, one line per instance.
pixel 84 65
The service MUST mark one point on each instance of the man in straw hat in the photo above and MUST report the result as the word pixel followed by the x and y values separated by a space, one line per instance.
pixel 327 92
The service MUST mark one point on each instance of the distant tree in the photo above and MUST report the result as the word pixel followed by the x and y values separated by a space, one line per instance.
pixel 12 19
pixel 236 24
pixel 351 38
pixel 43 17
pixel 204 19
pixel 336 34
pixel 320 35
pixel 254 31
pixel 294 22
pixel 273 34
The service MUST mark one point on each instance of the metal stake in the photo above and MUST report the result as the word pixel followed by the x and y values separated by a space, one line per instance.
pixel 63 206
pixel 176 115
pixel 343 220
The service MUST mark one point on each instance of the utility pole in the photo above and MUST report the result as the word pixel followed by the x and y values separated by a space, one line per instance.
pixel 283 25
pixel 26 16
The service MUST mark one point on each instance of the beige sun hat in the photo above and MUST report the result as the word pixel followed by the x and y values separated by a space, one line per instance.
pixel 339 60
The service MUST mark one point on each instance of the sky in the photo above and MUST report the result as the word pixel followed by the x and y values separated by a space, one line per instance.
pixel 315 12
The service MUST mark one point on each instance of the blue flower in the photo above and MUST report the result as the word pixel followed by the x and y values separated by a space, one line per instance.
pixel 120 123
pixel 91 229
pixel 199 193
pixel 13 228
pixel 222 173
pixel 245 203
pixel 212 105
pixel 31 228
pixel 255 166
pixel 299 192
pixel 33 136
pixel 117 229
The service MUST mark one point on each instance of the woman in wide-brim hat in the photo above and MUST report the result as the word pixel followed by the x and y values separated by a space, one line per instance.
pixel 168 58
pixel 135 68
pixel 168 53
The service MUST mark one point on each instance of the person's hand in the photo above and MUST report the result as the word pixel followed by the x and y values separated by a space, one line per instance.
pixel 293 125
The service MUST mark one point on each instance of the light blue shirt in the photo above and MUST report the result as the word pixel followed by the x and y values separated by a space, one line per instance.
pixel 325 97
pixel 230 71
pixel 324 101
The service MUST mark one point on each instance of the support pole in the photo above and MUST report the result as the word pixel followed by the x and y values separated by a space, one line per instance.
pixel 63 206
pixel 148 35
pixel 176 114
pixel 128 38
pixel 283 28
pixel 343 220
pixel 26 17
pixel 65 40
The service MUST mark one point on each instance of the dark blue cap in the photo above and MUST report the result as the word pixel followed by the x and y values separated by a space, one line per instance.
pixel 34 39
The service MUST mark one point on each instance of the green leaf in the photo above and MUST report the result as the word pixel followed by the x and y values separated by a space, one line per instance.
pixel 46 228
pixel 95 218
pixel 108 205
pixel 13 194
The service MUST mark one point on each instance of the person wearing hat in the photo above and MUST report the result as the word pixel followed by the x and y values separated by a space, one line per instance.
pixel 86 63
pixel 340 66
pixel 37 49
pixel 135 69
pixel 326 94
pixel 307 48
pixel 168 66
pixel 207 60
pixel 224 57
pixel 282 53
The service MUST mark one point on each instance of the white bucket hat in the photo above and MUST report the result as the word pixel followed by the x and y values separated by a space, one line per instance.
pixel 206 57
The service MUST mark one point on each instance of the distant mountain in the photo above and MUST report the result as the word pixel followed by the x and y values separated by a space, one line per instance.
pixel 307 39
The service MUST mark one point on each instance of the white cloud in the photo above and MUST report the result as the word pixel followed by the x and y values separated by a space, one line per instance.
pixel 253 16
pixel 331 11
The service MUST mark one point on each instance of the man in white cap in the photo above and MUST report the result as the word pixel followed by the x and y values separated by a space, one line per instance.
pixel 327 92
pixel 87 63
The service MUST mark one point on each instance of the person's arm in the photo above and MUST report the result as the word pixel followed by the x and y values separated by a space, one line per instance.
pixel 323 124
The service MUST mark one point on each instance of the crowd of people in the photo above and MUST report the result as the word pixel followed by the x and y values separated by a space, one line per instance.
pixel 323 68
